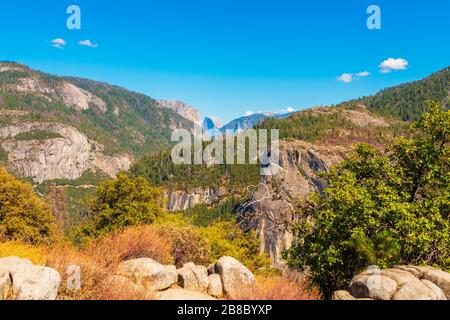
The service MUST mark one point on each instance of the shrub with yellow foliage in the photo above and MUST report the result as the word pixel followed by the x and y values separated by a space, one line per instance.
pixel 23 215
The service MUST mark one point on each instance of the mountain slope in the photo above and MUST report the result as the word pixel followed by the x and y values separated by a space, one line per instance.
pixel 407 101
pixel 60 127
pixel 249 122
pixel 182 109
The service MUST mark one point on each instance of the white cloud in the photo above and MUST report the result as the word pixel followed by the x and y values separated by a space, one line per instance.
pixel 363 74
pixel 58 43
pixel 392 64
pixel 345 77
pixel 88 43
pixel 349 77
pixel 248 113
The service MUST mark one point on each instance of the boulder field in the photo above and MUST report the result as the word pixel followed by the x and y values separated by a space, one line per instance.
pixel 398 283
pixel 20 279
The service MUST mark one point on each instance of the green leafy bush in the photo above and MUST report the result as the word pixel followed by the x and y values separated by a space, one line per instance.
pixel 38 135
pixel 119 203
pixel 381 208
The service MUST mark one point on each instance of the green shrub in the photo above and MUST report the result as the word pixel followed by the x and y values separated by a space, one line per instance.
pixel 381 209
pixel 119 203
pixel 38 135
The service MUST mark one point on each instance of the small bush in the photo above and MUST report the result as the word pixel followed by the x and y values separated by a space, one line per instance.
pixel 279 288
pixel 23 215
pixel 187 243
pixel 119 203
pixel 132 243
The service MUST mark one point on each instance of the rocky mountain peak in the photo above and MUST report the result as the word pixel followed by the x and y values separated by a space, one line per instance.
pixel 182 109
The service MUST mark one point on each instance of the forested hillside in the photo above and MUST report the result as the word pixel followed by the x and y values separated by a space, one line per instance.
pixel 122 121
pixel 407 101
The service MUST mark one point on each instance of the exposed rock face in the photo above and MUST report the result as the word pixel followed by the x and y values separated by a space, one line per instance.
pixel 22 280
pixel 78 98
pixel 193 278
pixel 215 287
pixel 67 157
pixel 148 273
pixel 149 278
pixel 270 212
pixel 182 109
pixel 342 295
pixel 399 283
pixel 183 200
pixel 236 278
pixel 63 91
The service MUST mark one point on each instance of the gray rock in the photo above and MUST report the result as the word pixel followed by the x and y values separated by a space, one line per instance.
pixel 211 268
pixel 438 277
pixel 9 264
pixel 236 278
pixel 22 280
pixel 399 283
pixel 194 278
pixel 342 295
pixel 439 294
pixel 373 286
pixel 148 273
pixel 215 287
pixel 31 282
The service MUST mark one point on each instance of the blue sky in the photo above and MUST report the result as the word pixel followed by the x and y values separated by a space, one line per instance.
pixel 227 57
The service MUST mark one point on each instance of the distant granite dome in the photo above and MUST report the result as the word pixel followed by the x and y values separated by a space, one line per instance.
pixel 210 127
pixel 248 122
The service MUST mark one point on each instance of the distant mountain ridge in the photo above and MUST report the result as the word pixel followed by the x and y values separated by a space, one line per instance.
pixel 61 127
pixel 182 109
pixel 249 122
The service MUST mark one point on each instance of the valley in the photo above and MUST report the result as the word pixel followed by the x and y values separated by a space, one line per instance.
pixel 98 157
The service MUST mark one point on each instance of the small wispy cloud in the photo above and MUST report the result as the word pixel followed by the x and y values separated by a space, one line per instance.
pixel 58 43
pixel 392 64
pixel 345 77
pixel 363 74
pixel 349 77
pixel 88 43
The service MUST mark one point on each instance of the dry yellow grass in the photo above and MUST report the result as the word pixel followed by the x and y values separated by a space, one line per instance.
pixel 290 286
pixel 98 260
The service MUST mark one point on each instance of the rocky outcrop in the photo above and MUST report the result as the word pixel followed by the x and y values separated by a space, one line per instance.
pixel 270 211
pixel 181 200
pixel 182 109
pixel 63 91
pixel 399 283
pixel 191 282
pixel 148 273
pixel 21 280
pixel 67 157
pixel 215 287
pixel 193 278
pixel 236 278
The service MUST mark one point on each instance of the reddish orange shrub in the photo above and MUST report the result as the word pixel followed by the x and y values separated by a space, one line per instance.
pixel 132 243
pixel 279 288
